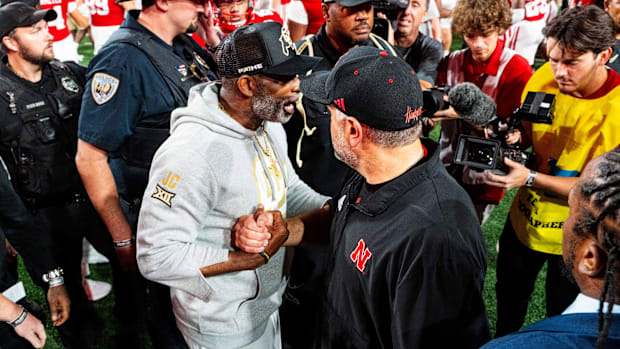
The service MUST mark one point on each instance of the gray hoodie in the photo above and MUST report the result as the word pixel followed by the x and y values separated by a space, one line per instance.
pixel 203 177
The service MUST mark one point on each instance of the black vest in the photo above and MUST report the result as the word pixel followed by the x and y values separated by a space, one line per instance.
pixel 38 135
pixel 152 130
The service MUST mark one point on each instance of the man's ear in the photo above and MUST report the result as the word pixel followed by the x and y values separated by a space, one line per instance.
pixel 353 131
pixel 325 11
pixel 246 85
pixel 162 5
pixel 604 55
pixel 9 43
pixel 590 259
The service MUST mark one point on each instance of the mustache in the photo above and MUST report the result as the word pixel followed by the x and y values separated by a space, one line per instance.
pixel 362 25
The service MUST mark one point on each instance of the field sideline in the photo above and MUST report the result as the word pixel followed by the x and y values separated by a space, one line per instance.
pixel 491 230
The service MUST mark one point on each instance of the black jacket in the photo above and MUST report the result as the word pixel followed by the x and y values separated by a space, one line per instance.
pixel 424 57
pixel 34 245
pixel 407 263
pixel 320 169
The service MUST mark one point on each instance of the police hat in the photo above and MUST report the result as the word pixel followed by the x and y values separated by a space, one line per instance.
pixel 32 3
pixel 18 14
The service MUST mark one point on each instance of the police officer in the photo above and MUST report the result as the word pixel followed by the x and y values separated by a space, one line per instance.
pixel 348 23
pixel 34 245
pixel 39 104
pixel 144 71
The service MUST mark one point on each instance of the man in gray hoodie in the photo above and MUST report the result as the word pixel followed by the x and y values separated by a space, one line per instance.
pixel 226 155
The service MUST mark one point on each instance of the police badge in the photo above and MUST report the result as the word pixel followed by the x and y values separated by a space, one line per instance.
pixel 103 87
pixel 69 84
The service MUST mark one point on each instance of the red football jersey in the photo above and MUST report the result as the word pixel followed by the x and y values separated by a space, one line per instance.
pixel 58 27
pixel 256 17
pixel 105 13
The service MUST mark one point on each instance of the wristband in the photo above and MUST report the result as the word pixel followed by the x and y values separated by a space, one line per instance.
pixel 20 318
pixel 58 281
pixel 265 256
pixel 53 275
pixel 531 177
pixel 124 243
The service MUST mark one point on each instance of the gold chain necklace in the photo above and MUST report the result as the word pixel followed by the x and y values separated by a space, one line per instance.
pixel 267 150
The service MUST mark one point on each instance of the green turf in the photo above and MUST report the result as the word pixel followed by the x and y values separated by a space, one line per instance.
pixel 491 230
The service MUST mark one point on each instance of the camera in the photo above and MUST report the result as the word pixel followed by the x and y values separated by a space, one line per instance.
pixel 390 9
pixel 489 153
pixel 433 100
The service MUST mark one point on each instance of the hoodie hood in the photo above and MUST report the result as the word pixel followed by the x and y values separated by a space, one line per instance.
pixel 200 110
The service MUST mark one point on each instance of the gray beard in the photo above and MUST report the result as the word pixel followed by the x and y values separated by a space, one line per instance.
pixel 268 108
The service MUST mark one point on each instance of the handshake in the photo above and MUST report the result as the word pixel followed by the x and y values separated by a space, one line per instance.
pixel 262 232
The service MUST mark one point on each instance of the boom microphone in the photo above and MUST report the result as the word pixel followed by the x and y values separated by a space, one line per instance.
pixel 472 105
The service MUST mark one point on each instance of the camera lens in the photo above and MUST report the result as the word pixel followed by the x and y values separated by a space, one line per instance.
pixel 482 155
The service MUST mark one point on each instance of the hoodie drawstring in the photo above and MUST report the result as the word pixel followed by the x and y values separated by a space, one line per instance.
pixel 305 131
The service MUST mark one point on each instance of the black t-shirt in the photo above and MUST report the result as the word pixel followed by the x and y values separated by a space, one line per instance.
pixel 424 57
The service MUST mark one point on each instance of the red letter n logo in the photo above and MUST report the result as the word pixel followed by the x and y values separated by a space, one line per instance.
pixel 361 255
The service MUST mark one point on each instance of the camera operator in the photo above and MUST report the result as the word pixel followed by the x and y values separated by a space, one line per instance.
pixel 499 72
pixel 423 53
pixel 585 124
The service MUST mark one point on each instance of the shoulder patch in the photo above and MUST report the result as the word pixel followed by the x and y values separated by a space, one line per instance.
pixel 163 195
pixel 103 87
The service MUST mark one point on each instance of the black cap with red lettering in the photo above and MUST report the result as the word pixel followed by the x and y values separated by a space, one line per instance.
pixel 377 88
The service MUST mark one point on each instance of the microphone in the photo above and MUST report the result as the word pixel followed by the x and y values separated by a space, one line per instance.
pixel 472 105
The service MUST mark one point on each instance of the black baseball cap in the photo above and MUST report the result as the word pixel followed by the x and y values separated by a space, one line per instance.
pixel 261 48
pixel 377 88
pixel 347 3
pixel 19 14
pixel 32 3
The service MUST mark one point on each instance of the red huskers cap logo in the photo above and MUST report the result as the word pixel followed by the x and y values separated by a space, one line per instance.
pixel 412 115
pixel 340 103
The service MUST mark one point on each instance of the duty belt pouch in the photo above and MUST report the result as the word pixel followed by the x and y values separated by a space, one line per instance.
pixel 47 173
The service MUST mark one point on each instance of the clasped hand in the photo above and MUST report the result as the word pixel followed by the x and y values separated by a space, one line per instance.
pixel 260 231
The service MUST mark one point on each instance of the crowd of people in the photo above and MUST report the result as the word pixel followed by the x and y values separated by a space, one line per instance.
pixel 259 174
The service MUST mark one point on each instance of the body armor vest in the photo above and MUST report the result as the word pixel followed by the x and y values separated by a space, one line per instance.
pixel 152 130
pixel 38 137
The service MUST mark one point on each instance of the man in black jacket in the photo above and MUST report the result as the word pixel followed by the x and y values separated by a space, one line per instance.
pixel 407 260
pixel 423 53
pixel 34 245
pixel 40 104
pixel 348 23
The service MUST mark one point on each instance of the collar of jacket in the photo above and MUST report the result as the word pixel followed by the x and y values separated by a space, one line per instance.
pixel 377 202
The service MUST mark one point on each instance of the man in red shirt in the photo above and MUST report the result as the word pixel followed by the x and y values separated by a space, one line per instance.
pixel 498 71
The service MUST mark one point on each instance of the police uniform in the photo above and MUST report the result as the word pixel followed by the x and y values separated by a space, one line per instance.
pixel 38 136
pixel 407 263
pixel 33 245
pixel 134 83
pixel 311 151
